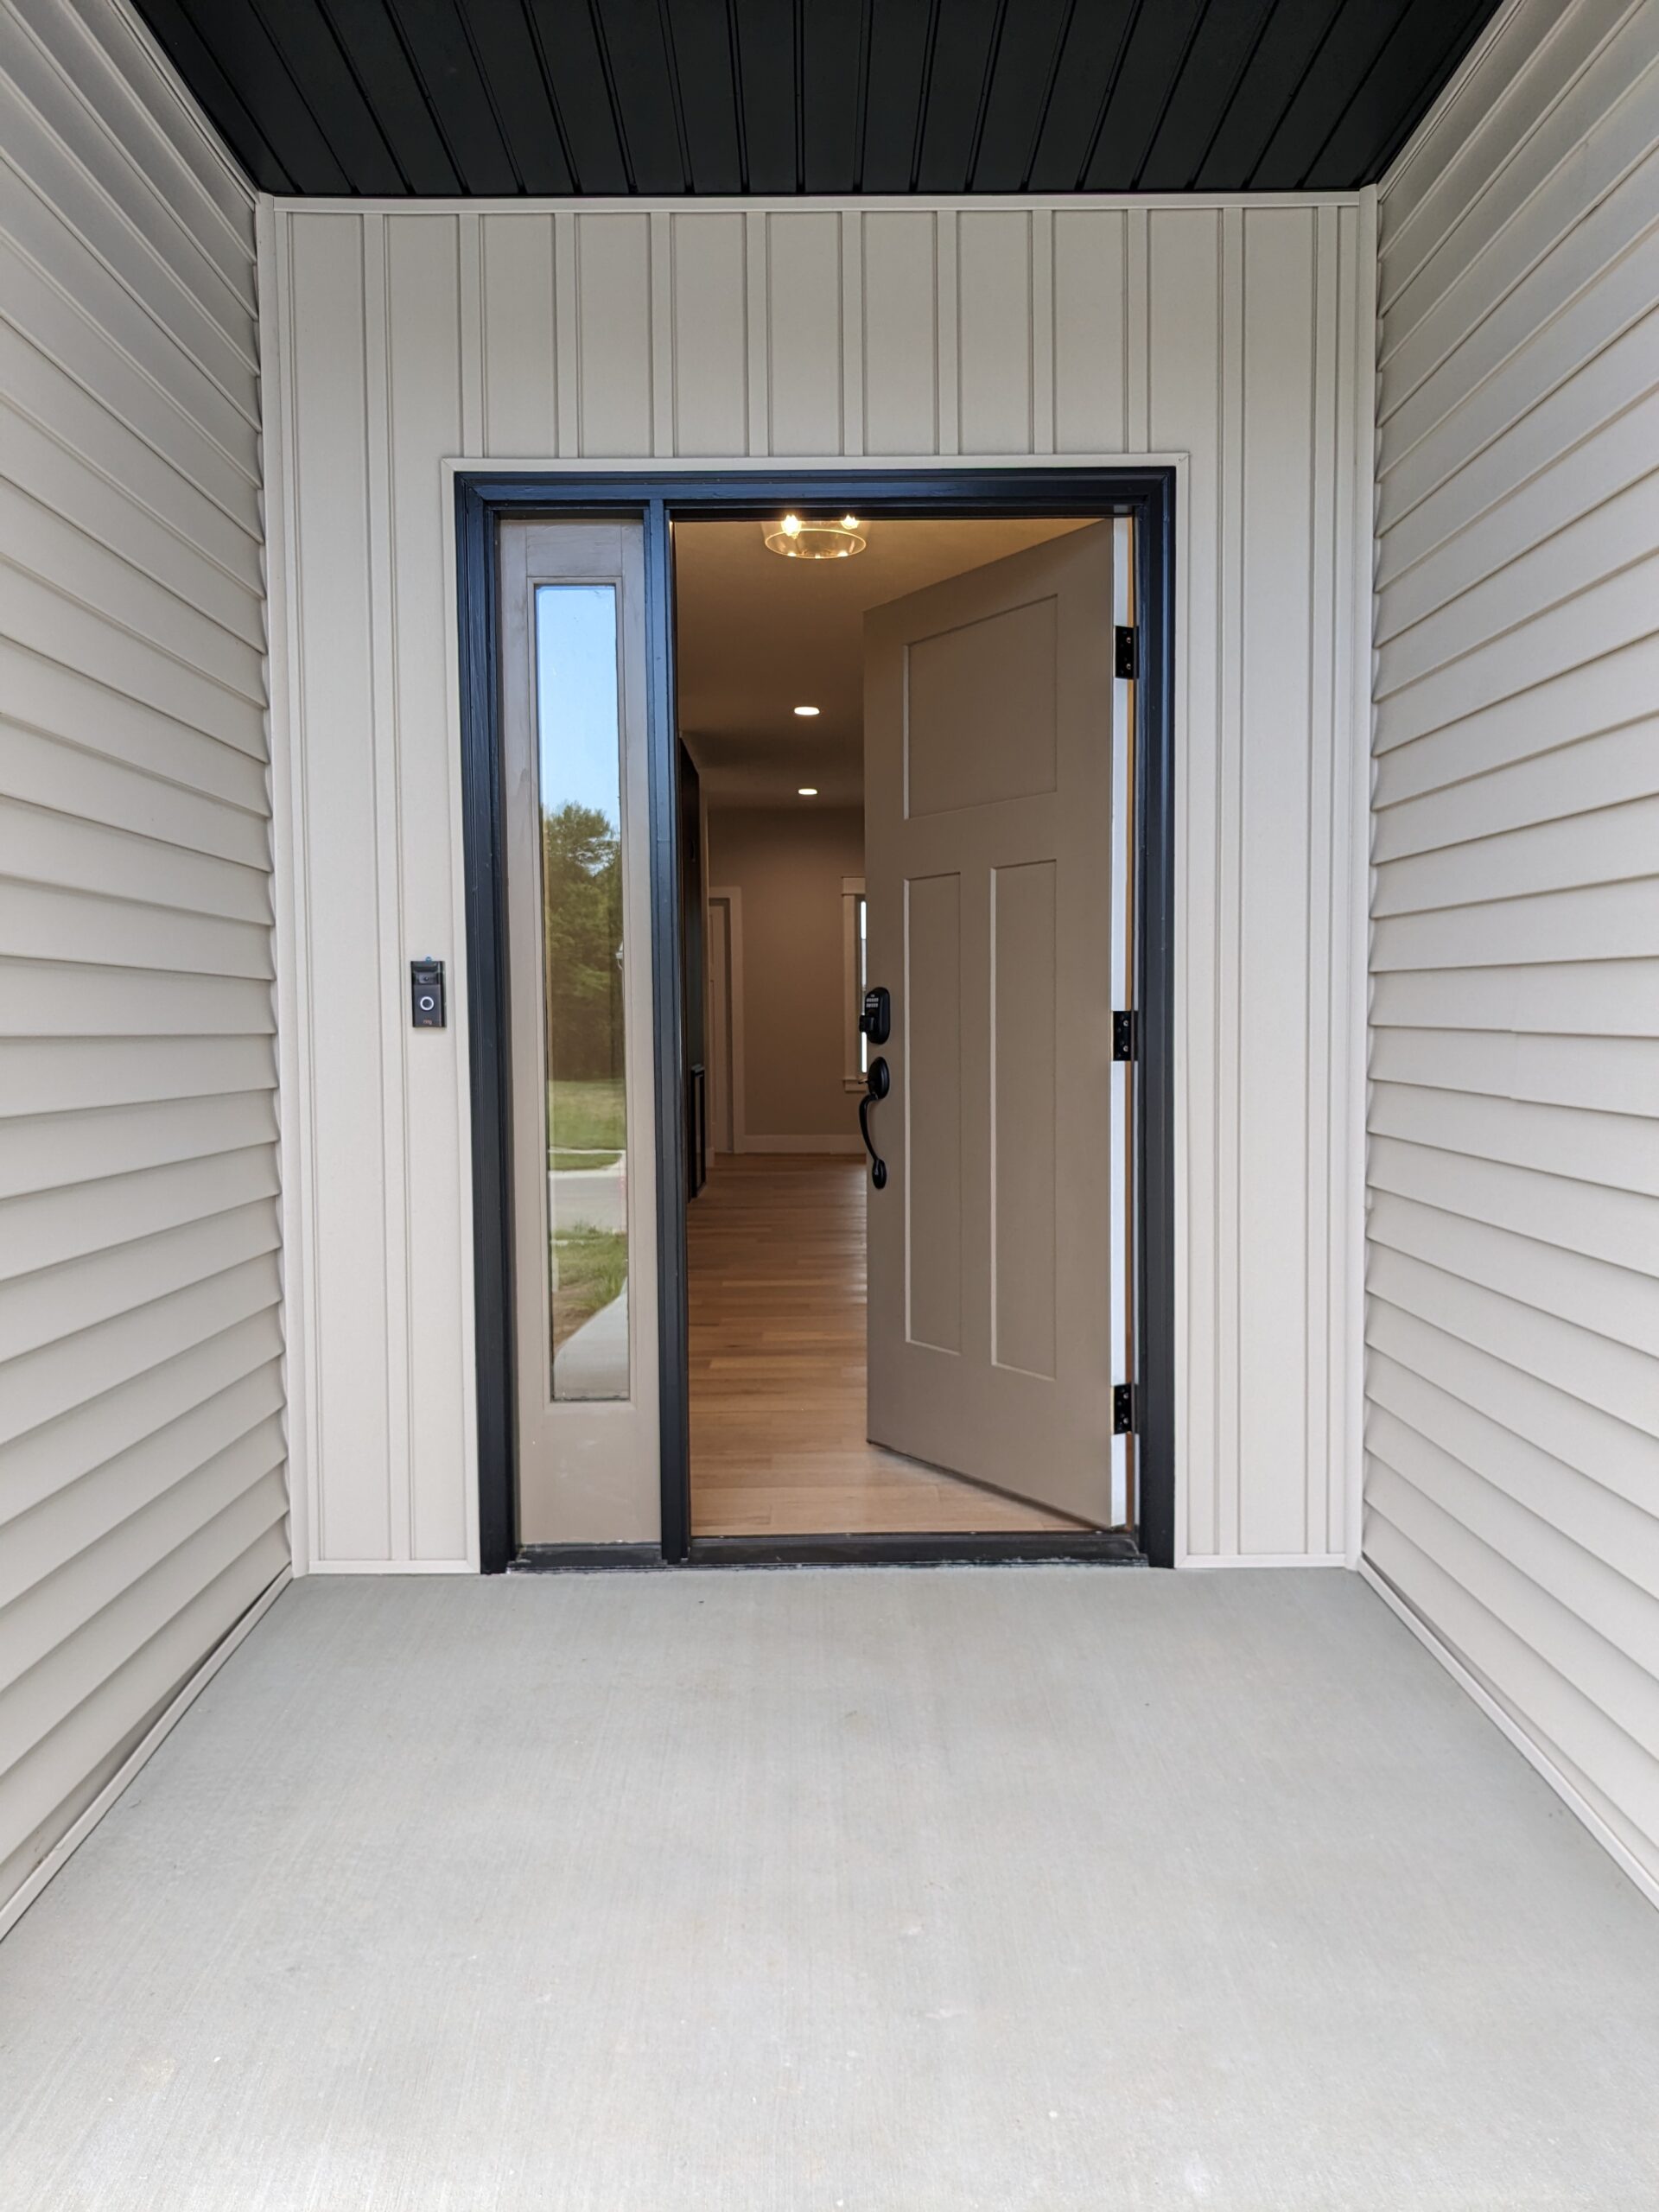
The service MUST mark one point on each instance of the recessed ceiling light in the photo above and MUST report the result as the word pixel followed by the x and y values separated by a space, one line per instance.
pixel 806 710
pixel 807 790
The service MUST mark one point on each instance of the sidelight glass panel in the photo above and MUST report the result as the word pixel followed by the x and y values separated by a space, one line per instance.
pixel 579 766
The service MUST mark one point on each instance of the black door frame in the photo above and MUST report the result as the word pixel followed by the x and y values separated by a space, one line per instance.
pixel 657 497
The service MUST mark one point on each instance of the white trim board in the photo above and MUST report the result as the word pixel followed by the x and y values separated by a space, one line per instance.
pixel 944 203
pixel 67 1844
pixel 404 1567
pixel 1539 1760
pixel 1205 1561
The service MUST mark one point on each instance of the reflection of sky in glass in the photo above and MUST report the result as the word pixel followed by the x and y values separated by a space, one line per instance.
pixel 576 697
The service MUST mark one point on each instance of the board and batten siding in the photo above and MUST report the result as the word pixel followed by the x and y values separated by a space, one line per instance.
pixel 1236 338
pixel 141 1454
pixel 1512 1470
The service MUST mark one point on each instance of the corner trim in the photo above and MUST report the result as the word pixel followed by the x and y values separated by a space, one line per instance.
pixel 290 901
pixel 1362 894
pixel 67 1844
pixel 1537 1759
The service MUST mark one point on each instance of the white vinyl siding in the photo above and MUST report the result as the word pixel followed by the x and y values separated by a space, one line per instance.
pixel 1512 1472
pixel 1236 339
pixel 142 1452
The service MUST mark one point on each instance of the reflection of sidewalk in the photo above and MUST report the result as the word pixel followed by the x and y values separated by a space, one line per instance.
pixel 589 1197
pixel 594 1364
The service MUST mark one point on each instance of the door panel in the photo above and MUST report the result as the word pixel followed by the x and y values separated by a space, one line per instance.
pixel 579 1005
pixel 933 1188
pixel 964 690
pixel 988 867
pixel 1023 1059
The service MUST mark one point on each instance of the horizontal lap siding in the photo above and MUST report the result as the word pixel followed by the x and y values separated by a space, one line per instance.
pixel 143 1496
pixel 610 333
pixel 1512 1482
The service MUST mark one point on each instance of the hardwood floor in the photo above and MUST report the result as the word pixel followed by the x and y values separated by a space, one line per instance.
pixel 777 1293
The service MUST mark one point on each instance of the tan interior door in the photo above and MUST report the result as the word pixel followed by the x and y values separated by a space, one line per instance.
pixel 988 866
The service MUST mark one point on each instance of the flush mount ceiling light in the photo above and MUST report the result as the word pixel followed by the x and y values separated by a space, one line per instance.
pixel 806 710
pixel 807 790
pixel 799 540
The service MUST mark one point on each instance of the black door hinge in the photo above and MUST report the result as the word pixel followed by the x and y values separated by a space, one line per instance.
pixel 1123 1409
pixel 1126 1036
pixel 1125 664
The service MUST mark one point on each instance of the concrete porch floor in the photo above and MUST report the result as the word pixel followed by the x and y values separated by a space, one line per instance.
pixel 1028 1888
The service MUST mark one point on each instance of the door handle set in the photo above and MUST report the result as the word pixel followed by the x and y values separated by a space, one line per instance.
pixel 877 1083
pixel 875 1019
pixel 877 1023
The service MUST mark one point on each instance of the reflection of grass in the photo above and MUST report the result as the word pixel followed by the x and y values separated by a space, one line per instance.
pixel 587 1117
pixel 561 1160
pixel 589 1268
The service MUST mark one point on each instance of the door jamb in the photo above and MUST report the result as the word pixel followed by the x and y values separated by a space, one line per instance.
pixel 657 498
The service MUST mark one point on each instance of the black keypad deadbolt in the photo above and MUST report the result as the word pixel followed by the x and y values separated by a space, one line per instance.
pixel 876 1020
pixel 426 994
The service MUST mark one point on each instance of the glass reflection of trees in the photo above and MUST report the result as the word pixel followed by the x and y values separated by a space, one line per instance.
pixel 582 876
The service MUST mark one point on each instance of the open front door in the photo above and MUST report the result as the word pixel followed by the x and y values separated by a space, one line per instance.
pixel 987 866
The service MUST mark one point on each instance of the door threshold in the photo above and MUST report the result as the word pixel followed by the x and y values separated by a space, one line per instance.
pixel 1087 1548
pixel 584 1558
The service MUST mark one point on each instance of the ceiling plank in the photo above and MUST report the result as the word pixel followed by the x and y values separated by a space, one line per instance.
pixel 701 47
pixel 434 34
pixel 1091 55
pixel 511 63
pixel 376 56
pixel 1202 93
pixel 569 41
pixel 1028 58
pixel 323 77
pixel 241 48
pixel 635 49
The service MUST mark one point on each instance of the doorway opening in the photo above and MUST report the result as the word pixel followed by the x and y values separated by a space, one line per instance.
pixel 913 749
pixel 976 1177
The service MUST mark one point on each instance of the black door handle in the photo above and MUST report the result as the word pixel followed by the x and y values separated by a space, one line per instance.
pixel 877 1083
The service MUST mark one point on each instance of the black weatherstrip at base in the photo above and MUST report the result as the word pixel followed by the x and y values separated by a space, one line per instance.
pixel 657 499
pixel 1087 1547
pixel 584 1559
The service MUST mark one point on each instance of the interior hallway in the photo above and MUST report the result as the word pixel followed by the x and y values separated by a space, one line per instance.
pixel 776 1250
pixel 1028 1888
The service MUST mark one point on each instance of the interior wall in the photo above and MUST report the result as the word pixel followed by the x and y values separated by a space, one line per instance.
pixel 142 1460
pixel 1236 338
pixel 1512 1469
pixel 788 862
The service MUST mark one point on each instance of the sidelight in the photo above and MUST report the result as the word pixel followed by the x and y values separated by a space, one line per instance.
pixel 578 747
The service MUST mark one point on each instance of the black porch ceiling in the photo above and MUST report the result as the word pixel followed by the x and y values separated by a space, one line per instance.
pixel 777 97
